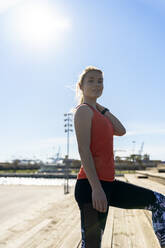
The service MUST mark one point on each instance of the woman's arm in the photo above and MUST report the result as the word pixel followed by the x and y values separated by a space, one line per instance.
pixel 82 124
pixel 89 168
pixel 119 129
pixel 83 121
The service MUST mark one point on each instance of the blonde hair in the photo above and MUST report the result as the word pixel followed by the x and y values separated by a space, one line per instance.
pixel 79 92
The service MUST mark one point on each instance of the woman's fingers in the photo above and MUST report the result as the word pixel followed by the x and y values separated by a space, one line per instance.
pixel 99 200
pixel 104 208
pixel 94 204
pixel 100 206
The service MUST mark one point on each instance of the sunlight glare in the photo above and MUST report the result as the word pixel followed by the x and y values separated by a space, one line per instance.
pixel 39 25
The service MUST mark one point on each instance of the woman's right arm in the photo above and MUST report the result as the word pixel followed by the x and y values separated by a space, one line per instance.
pixel 82 123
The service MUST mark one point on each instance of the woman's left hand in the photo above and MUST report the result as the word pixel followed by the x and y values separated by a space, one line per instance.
pixel 99 107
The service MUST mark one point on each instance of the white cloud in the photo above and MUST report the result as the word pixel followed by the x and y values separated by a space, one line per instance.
pixel 145 129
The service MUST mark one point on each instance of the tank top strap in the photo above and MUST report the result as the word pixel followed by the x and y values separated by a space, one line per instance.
pixel 97 111
pixel 90 106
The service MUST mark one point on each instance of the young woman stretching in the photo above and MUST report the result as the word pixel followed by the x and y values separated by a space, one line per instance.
pixel 96 187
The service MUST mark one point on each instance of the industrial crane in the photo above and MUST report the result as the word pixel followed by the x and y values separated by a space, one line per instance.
pixel 141 149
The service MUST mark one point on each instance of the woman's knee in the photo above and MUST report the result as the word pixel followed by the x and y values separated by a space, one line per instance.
pixel 158 204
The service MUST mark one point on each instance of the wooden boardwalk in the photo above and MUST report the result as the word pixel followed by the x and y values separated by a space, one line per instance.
pixel 125 228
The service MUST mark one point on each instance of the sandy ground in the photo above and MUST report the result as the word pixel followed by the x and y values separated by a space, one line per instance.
pixel 36 216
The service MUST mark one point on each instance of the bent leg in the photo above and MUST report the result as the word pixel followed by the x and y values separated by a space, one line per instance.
pixel 92 226
pixel 130 196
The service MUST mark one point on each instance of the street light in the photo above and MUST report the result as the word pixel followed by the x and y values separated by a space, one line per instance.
pixel 133 149
pixel 67 130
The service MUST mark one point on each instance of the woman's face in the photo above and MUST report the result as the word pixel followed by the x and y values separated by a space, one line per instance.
pixel 93 84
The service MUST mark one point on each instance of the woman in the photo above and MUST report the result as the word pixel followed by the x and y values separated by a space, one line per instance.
pixel 96 187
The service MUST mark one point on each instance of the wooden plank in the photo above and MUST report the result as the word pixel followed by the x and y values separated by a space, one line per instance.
pixel 108 231
pixel 120 231
pixel 154 176
pixel 152 173
pixel 155 186
pixel 132 178
pixel 145 227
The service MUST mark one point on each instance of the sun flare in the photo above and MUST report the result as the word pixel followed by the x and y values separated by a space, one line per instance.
pixel 38 25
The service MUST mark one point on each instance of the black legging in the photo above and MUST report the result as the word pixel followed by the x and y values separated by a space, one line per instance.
pixel 119 194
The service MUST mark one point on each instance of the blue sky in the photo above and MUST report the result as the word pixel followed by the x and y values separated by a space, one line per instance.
pixel 44 47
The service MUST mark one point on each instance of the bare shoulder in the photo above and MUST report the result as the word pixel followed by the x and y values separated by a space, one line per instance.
pixel 84 111
pixel 82 123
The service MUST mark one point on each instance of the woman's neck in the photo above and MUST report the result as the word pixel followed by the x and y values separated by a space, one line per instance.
pixel 91 104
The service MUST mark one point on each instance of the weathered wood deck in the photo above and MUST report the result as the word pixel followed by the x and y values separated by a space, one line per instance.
pixel 154 176
pixel 125 228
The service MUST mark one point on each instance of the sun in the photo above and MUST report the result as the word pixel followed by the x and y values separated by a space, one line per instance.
pixel 38 24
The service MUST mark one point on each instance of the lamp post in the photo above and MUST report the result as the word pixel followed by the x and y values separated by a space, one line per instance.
pixel 133 146
pixel 133 155
pixel 67 130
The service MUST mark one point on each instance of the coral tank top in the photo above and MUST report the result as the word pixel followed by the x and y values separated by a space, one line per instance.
pixel 101 147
